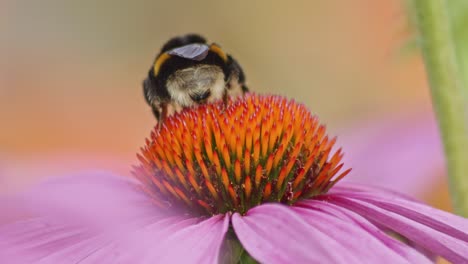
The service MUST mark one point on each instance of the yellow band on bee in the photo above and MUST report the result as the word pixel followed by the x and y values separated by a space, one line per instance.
pixel 217 49
pixel 159 61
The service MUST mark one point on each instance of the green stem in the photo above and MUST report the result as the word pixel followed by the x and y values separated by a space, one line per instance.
pixel 233 252
pixel 447 94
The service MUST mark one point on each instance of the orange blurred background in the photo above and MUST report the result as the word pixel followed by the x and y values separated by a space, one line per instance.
pixel 71 71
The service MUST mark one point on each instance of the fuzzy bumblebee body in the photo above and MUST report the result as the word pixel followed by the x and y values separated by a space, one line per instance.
pixel 189 72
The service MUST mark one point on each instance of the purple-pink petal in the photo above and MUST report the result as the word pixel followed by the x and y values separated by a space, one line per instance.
pixel 410 253
pixel 402 154
pixel 439 232
pixel 199 243
pixel 367 246
pixel 127 247
pixel 192 240
pixel 440 220
pixel 95 197
pixel 146 242
pixel 274 233
pixel 100 218
pixel 36 239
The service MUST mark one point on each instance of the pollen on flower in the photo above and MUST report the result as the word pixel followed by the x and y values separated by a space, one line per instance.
pixel 219 157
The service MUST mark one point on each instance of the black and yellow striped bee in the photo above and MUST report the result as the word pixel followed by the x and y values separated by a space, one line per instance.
pixel 189 72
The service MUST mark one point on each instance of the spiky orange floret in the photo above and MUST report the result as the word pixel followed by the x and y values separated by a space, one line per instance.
pixel 223 157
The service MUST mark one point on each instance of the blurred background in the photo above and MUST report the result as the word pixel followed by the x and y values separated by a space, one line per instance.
pixel 71 72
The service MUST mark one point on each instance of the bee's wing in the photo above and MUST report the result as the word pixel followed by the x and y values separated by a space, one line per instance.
pixel 194 51
pixel 183 41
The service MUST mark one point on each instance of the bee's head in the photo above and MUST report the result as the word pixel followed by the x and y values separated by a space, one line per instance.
pixel 196 84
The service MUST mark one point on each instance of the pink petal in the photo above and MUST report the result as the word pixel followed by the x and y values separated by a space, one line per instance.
pixel 402 154
pixel 398 203
pixel 437 231
pixel 34 240
pixel 73 226
pixel 131 247
pixel 406 251
pixel 274 233
pixel 9 211
pixel 41 242
pixel 346 188
pixel 94 197
pixel 199 243
pixel 17 172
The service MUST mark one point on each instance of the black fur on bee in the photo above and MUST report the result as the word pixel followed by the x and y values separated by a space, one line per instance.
pixel 189 72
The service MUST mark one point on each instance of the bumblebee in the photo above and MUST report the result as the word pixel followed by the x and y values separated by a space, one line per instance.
pixel 189 72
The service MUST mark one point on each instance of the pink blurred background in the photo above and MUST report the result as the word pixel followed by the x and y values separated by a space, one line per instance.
pixel 71 71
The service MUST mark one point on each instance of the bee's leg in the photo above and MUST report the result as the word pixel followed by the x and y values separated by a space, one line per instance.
pixel 164 114
pixel 225 100
pixel 245 89
pixel 225 96
pixel 156 113
pixel 160 112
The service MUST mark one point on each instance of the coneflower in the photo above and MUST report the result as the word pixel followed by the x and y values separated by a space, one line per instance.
pixel 216 159
pixel 258 174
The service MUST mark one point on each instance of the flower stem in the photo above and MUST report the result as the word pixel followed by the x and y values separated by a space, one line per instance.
pixel 447 94
pixel 234 252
